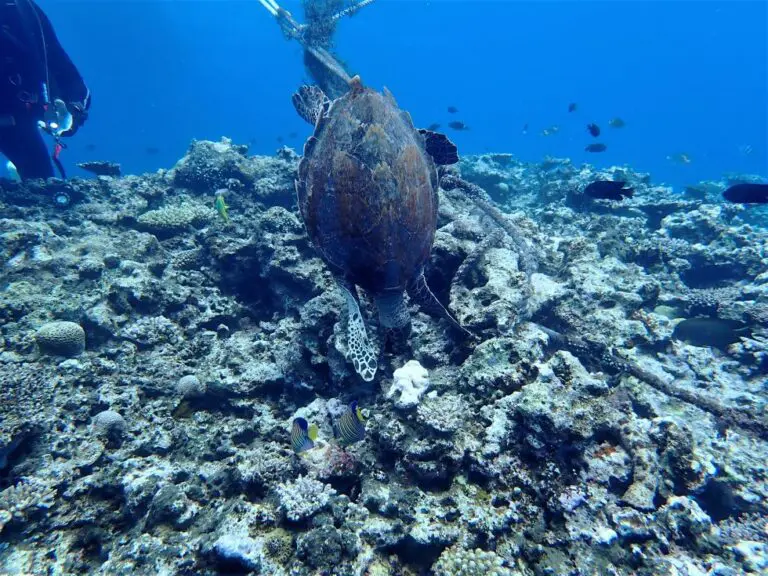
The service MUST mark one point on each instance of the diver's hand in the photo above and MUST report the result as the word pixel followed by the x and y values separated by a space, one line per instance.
pixel 79 115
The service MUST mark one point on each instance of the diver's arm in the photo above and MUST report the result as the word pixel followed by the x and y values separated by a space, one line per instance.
pixel 67 83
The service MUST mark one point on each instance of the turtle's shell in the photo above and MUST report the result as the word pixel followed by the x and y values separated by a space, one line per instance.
pixel 367 191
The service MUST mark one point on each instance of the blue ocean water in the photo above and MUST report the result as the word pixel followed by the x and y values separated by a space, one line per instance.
pixel 687 77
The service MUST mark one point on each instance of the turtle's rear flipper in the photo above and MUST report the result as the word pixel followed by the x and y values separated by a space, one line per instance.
pixel 311 103
pixel 440 147
pixel 420 293
pixel 360 351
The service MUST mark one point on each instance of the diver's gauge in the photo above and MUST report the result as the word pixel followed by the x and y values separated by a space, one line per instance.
pixel 61 199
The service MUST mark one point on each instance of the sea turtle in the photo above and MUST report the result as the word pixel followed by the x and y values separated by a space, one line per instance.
pixel 367 192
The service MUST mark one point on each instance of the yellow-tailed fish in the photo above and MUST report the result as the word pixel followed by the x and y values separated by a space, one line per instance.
pixel 221 207
pixel 303 435
pixel 350 428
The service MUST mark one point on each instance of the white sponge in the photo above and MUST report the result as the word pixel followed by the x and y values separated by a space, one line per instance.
pixel 410 381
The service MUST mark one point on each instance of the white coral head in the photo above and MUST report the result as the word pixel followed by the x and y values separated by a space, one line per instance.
pixel 411 381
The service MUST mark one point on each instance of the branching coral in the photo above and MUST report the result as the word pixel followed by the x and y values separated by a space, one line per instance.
pixel 19 502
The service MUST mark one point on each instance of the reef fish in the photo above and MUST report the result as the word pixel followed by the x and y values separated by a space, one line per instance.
pixel 303 435
pixel 746 149
pixel 616 123
pixel 608 190
pixel 681 158
pixel 350 427
pixel 572 107
pixel 713 332
pixel 593 129
pixel 458 125
pixel 452 109
pixel 597 147
pixel 221 207
pixel 747 194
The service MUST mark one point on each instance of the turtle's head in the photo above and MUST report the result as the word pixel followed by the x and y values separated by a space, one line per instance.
pixel 356 85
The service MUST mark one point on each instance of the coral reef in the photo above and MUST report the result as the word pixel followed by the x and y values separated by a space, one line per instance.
pixel 153 357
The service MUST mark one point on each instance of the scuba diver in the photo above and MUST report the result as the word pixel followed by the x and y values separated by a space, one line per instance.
pixel 40 90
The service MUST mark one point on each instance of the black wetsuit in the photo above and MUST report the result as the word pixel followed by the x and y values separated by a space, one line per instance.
pixel 34 70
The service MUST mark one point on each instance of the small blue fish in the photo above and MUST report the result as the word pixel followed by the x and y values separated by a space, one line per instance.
pixel 303 435
pixel 350 427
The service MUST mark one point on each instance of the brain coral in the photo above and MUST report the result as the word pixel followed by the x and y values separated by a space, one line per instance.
pixel 61 338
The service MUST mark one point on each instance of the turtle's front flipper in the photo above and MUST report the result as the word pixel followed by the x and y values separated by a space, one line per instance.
pixel 360 350
pixel 420 293
pixel 311 103
pixel 440 147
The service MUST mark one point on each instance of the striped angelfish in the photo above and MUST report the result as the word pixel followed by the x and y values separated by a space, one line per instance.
pixel 303 435
pixel 350 428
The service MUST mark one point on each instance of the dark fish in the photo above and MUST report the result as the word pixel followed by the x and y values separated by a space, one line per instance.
pixel 292 135
pixel 747 194
pixel 525 128
pixel 572 107
pixel 596 147
pixel 433 127
pixel 608 190
pixel 303 435
pixel 712 332
pixel 452 109
pixel 458 125
pixel 593 129
pixel 90 147
pixel 151 150
pixel 616 123
pixel 280 139
pixel 349 428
